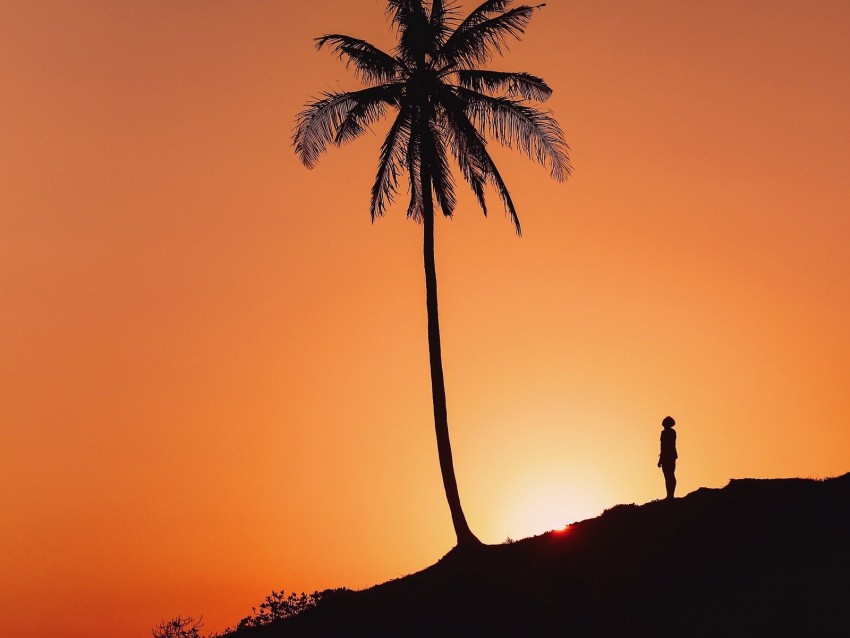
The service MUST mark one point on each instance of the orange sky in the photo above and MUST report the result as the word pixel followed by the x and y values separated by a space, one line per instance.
pixel 213 368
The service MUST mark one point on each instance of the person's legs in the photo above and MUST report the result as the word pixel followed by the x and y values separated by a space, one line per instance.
pixel 669 470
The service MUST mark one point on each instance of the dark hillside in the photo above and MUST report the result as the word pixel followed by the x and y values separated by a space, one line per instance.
pixel 756 558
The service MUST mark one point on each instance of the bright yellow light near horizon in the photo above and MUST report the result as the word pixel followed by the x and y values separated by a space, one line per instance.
pixel 543 508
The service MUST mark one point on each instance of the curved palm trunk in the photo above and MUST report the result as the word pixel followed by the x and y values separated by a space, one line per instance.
pixel 465 537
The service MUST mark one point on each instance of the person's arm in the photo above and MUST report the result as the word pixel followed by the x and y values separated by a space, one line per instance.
pixel 661 449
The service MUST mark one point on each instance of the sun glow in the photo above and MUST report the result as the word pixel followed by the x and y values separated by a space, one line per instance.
pixel 542 509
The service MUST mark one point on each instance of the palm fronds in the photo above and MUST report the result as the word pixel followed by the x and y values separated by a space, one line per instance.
pixel 523 85
pixel 339 117
pixel 448 105
pixel 371 64
pixel 517 125
pixel 391 164
pixel 476 41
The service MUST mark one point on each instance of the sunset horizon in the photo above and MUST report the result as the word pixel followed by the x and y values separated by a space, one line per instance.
pixel 214 375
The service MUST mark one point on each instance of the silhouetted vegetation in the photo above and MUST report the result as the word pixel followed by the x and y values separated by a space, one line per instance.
pixel 178 628
pixel 278 606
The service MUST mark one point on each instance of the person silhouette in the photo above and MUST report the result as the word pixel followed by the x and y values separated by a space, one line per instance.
pixel 667 457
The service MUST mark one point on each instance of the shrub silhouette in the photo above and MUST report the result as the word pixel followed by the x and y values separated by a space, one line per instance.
pixel 178 628
pixel 277 606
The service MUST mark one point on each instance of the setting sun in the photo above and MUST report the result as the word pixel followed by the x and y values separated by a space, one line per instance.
pixel 535 509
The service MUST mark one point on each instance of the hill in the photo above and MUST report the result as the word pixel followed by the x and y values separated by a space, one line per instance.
pixel 755 558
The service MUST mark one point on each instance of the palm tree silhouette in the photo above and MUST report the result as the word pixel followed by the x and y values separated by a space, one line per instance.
pixel 445 104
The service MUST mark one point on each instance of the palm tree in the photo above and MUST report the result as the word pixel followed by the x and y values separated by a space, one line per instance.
pixel 445 103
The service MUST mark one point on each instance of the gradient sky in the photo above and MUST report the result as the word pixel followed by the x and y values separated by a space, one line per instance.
pixel 213 367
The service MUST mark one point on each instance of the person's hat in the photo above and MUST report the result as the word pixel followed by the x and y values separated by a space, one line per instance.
pixel 668 422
